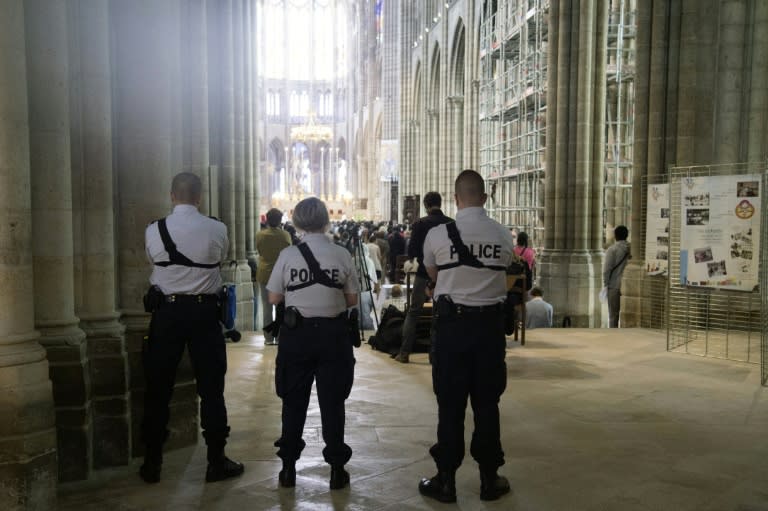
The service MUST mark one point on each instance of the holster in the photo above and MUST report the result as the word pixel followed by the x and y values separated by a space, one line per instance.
pixel 274 327
pixel 444 307
pixel 292 318
pixel 509 316
pixel 152 299
pixel 352 324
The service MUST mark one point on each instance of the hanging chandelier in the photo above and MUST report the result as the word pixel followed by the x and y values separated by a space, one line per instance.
pixel 311 132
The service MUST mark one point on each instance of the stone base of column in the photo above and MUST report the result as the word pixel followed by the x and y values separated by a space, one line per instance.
pixel 632 295
pixel 241 276
pixel 643 298
pixel 571 282
pixel 109 389
pixel 183 423
pixel 69 372
pixel 28 468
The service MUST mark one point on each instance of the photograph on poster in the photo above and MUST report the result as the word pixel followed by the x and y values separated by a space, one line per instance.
pixel 702 255
pixel 741 244
pixel 716 269
pixel 699 199
pixel 697 216
pixel 748 189
pixel 657 229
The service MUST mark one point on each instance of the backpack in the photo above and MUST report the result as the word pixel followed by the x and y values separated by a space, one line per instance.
pixel 389 335
pixel 518 267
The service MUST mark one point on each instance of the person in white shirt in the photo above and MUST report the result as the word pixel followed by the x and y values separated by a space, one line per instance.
pixel 466 261
pixel 318 282
pixel 186 250
pixel 538 313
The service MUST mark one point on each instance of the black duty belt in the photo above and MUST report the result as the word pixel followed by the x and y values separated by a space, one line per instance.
pixel 476 309
pixel 185 299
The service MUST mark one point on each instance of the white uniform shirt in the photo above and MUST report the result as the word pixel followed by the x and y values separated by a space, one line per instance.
pixel 316 301
pixel 489 241
pixel 200 238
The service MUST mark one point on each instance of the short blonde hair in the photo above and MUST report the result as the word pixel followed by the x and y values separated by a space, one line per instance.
pixel 311 215
pixel 397 291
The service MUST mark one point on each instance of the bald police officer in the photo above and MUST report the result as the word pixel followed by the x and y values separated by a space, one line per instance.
pixel 466 261
pixel 318 282
pixel 186 249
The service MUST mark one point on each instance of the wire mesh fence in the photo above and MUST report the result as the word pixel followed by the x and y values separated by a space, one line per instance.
pixel 713 322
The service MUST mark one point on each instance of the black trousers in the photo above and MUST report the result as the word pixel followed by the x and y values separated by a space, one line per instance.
pixel 467 356
pixel 318 350
pixel 175 326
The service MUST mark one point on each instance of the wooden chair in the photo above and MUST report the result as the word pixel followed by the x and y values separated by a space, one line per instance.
pixel 423 320
pixel 516 285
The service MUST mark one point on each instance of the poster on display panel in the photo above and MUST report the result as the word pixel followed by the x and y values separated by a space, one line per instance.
pixel 657 230
pixel 720 231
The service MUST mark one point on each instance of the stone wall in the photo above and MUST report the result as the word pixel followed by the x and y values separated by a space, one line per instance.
pixel 101 103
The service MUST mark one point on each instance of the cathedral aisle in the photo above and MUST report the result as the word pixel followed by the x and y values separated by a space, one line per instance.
pixel 591 420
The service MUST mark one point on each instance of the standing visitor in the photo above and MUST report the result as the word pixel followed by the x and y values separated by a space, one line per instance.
pixel 269 243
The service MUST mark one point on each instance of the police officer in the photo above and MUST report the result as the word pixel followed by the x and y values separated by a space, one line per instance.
pixel 318 282
pixel 466 262
pixel 186 249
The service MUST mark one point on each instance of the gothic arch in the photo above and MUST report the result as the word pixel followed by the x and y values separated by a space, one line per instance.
pixel 458 61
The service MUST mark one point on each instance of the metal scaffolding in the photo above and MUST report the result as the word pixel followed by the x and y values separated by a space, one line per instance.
pixel 513 93
pixel 619 114
pixel 513 62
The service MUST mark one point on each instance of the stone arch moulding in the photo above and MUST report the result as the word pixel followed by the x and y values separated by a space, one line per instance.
pixel 458 59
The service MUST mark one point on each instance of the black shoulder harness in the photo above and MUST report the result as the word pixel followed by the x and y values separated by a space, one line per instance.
pixel 174 256
pixel 466 258
pixel 317 275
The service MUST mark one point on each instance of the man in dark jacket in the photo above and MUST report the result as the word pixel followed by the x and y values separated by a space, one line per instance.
pixel 396 248
pixel 421 227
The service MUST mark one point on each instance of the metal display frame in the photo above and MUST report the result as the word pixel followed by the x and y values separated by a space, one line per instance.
pixel 710 322
pixel 654 302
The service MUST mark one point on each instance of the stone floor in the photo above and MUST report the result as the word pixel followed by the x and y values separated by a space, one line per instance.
pixel 591 420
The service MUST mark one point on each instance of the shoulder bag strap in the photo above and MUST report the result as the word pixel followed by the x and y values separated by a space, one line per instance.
pixel 174 256
pixel 318 276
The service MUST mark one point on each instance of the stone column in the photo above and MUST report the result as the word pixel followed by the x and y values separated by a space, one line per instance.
pixel 571 266
pixel 48 86
pixel 656 127
pixel 729 135
pixel 194 68
pixel 28 466
pixel 148 149
pixel 757 149
pixel 226 127
pixel 91 142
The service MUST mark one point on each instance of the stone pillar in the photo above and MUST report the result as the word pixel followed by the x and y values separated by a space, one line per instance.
pixel 194 69
pixel 28 468
pixel 226 127
pixel 148 149
pixel 757 148
pixel 575 146
pixel 91 142
pixel 729 136
pixel 48 86
pixel 656 123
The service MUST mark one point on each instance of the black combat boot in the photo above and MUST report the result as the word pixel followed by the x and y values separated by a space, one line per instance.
pixel 219 466
pixel 442 487
pixel 492 485
pixel 339 477
pixel 287 476
pixel 153 463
